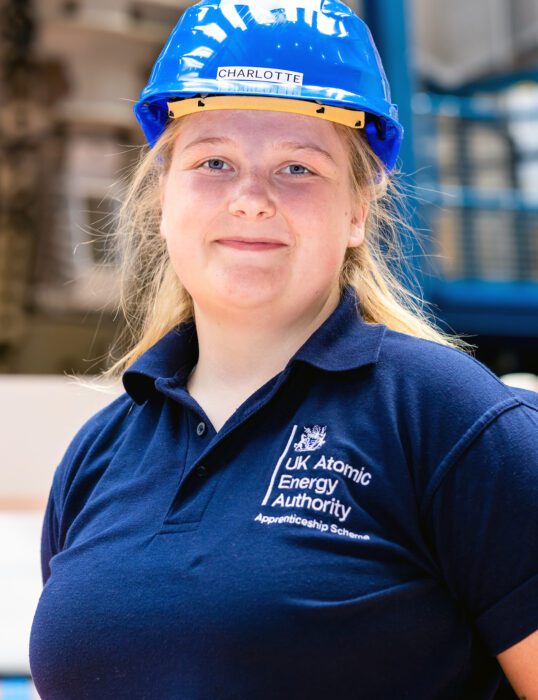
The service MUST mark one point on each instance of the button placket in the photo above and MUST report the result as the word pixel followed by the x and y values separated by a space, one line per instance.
pixel 195 494
pixel 199 481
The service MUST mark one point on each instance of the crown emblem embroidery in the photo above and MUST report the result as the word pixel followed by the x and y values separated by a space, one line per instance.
pixel 311 439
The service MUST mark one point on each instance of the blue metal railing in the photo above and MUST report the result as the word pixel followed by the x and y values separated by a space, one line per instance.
pixel 478 200
pixel 480 268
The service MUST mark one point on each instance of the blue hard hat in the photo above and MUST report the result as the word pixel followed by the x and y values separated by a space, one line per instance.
pixel 313 52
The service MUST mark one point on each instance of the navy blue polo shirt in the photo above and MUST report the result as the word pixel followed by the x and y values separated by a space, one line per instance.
pixel 363 526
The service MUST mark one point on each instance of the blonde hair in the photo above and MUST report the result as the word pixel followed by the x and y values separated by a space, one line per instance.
pixel 153 300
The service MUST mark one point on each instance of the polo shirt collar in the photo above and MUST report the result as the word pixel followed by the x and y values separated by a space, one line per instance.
pixel 173 356
pixel 343 342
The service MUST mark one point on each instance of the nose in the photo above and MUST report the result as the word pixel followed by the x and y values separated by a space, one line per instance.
pixel 252 198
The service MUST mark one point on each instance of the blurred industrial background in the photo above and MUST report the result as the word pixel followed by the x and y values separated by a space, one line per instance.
pixel 466 77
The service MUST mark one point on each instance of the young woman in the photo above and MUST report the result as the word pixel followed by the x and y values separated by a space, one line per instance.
pixel 306 491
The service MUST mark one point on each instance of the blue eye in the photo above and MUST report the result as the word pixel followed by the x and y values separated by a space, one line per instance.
pixel 214 164
pixel 296 169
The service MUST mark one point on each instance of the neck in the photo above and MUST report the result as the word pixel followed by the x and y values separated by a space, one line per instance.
pixel 240 353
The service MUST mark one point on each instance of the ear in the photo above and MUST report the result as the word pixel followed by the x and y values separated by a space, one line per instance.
pixel 358 224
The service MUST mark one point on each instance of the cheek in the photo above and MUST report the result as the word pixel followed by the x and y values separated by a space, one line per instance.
pixel 176 226
pixel 326 227
pixel 175 211
pixel 180 215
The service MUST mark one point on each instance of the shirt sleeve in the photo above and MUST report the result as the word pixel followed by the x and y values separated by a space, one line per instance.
pixel 49 537
pixel 56 521
pixel 483 521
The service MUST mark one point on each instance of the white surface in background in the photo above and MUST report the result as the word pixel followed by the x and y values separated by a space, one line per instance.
pixel 39 416
pixel 522 380
pixel 20 587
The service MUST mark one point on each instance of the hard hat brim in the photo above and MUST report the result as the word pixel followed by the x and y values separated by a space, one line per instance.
pixel 348 117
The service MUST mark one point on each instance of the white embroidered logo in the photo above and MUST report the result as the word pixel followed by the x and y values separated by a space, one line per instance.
pixel 313 490
pixel 311 439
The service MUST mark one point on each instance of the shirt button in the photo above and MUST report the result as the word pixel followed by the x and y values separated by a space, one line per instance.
pixel 200 429
pixel 201 470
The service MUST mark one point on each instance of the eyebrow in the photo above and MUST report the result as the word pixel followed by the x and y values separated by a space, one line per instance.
pixel 298 146
pixel 279 145
pixel 213 140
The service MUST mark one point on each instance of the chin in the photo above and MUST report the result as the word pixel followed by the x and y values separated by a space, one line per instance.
pixel 247 291
pixel 247 297
pixel 252 282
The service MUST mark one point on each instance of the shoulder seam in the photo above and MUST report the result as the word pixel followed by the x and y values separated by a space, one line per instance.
pixel 464 442
pixel 528 405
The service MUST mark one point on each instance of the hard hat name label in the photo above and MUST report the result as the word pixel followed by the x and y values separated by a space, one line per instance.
pixel 264 75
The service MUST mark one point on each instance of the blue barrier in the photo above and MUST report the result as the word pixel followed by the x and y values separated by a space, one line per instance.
pixel 17 689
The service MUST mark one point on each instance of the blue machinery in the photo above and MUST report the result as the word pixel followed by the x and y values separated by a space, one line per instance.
pixel 17 689
pixel 481 268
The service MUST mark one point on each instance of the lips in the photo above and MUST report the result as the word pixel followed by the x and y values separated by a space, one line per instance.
pixel 252 244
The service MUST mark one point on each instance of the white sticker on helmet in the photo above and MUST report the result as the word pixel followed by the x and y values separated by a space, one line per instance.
pixel 263 75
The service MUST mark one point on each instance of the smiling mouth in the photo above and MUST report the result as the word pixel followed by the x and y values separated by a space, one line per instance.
pixel 252 245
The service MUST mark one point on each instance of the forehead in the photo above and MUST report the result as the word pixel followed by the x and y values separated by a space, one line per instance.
pixel 258 128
